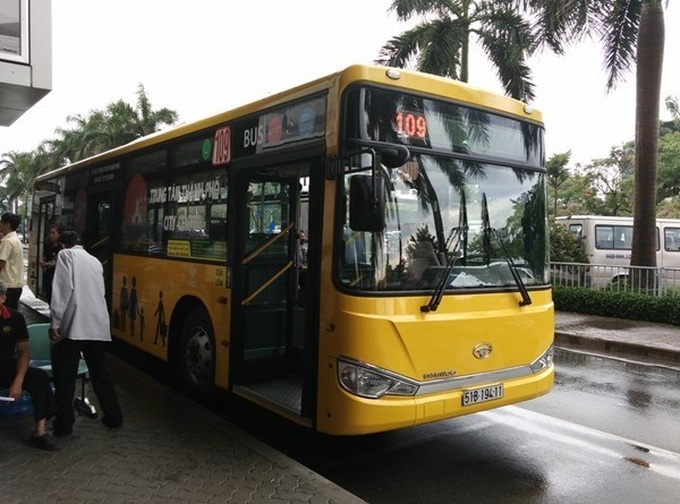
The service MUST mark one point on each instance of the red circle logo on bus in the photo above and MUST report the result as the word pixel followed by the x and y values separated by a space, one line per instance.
pixel 275 130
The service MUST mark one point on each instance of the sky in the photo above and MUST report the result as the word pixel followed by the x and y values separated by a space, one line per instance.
pixel 201 57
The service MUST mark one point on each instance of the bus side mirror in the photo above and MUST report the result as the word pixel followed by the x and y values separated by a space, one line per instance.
pixel 366 203
pixel 394 156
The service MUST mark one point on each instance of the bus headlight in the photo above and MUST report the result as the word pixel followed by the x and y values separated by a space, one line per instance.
pixel 371 382
pixel 543 361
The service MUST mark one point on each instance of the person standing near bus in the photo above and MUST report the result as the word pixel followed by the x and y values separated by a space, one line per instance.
pixel 11 259
pixel 49 262
pixel 80 323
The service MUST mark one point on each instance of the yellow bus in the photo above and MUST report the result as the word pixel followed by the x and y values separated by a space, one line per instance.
pixel 364 252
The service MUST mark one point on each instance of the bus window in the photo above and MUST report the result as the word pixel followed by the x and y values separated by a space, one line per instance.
pixel 194 204
pixel 604 237
pixel 576 230
pixel 624 237
pixel 186 218
pixel 267 215
pixel 671 239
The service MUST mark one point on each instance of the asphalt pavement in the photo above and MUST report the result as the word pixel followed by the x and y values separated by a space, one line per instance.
pixel 174 450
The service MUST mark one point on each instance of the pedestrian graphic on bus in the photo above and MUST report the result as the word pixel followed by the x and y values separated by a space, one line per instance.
pixel 161 326
pixel 140 312
pixel 124 303
pixel 132 305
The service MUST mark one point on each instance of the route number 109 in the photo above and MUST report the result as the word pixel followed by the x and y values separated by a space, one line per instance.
pixel 410 125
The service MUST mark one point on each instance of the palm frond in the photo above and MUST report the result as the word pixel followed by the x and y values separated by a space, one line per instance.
pixel 618 29
pixel 507 40
pixel 406 9
pixel 441 51
pixel 401 50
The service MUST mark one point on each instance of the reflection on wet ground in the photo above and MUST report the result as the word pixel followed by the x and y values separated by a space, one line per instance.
pixel 629 399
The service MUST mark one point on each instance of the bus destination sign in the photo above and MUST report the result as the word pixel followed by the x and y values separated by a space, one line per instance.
pixel 292 123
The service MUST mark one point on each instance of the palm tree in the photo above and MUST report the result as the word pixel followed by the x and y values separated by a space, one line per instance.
pixel 118 124
pixel 101 130
pixel 149 120
pixel 440 43
pixel 673 107
pixel 13 168
pixel 630 31
pixel 18 171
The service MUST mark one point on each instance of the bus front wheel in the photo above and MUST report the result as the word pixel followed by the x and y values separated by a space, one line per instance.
pixel 196 357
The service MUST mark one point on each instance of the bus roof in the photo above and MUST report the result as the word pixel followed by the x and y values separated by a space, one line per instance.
pixel 611 219
pixel 409 81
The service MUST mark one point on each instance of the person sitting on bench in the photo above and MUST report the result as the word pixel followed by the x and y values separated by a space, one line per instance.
pixel 16 375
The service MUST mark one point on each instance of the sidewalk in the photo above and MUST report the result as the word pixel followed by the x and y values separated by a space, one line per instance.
pixel 641 341
pixel 170 450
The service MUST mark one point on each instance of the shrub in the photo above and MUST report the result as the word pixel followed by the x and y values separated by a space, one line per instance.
pixel 564 246
pixel 625 305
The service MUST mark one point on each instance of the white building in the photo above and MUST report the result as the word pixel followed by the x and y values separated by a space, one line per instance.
pixel 25 56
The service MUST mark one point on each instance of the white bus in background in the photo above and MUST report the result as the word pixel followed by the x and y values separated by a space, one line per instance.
pixel 608 243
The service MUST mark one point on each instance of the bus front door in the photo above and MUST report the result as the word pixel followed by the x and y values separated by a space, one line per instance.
pixel 269 351
pixel 45 217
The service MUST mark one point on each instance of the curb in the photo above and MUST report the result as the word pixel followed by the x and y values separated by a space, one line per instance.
pixel 608 348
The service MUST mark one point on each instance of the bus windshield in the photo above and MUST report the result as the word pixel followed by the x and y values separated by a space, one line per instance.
pixel 466 219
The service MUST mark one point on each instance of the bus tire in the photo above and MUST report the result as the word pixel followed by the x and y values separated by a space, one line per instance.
pixel 197 354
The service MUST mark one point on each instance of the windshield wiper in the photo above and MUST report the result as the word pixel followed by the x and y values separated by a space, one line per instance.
pixel 488 233
pixel 462 233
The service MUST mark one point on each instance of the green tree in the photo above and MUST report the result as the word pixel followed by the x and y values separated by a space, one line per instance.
pixel 668 182
pixel 558 174
pixel 564 246
pixel 673 108
pixel 612 180
pixel 669 208
pixel 576 193
pixel 630 31
pixel 440 43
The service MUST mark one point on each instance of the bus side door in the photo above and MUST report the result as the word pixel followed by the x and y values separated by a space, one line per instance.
pixel 270 356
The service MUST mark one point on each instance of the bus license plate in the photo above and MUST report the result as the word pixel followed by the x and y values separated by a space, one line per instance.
pixel 482 394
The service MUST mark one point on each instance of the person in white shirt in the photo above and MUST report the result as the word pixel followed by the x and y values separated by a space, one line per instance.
pixel 11 259
pixel 80 323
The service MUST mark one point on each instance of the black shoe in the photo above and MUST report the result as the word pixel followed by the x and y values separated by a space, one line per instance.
pixel 44 442
pixel 59 431
pixel 62 432
pixel 113 423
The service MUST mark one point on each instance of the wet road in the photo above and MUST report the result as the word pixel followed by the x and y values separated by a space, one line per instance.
pixel 623 398
pixel 606 434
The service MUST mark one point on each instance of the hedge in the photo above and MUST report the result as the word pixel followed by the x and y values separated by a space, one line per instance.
pixel 624 305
